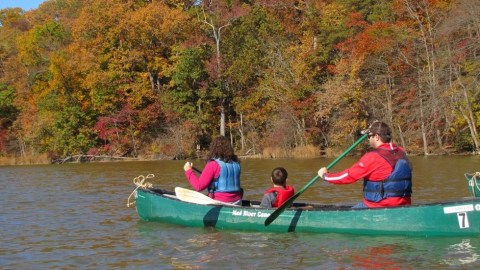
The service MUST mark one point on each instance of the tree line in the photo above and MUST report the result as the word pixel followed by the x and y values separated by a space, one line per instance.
pixel 160 79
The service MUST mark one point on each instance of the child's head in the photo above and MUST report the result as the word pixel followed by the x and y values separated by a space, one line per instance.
pixel 279 176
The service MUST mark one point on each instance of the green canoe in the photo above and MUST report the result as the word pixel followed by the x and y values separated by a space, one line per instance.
pixel 453 218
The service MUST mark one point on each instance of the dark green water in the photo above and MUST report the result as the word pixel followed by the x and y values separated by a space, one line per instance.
pixel 74 216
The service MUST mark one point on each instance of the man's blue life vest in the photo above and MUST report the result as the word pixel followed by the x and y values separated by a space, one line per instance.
pixel 229 178
pixel 398 184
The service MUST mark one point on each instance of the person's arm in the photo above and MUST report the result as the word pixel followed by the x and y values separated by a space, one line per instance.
pixel 268 200
pixel 362 168
pixel 211 170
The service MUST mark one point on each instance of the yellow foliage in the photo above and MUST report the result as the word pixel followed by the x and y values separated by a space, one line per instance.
pixel 333 15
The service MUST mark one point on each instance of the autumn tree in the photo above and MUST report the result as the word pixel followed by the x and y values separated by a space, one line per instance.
pixel 12 24
pixel 423 17
pixel 460 36
pixel 215 16
pixel 246 46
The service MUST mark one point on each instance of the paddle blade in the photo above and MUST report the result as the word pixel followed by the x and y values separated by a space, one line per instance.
pixel 192 196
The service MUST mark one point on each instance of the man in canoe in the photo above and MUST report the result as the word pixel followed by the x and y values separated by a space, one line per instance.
pixel 386 172
pixel 280 192
pixel 221 174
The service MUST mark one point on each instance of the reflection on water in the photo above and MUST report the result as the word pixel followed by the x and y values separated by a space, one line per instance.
pixel 73 216
pixel 463 253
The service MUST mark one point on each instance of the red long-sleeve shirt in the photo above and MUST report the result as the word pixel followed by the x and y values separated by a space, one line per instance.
pixel 373 167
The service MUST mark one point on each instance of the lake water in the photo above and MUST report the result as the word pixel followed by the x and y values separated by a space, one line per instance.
pixel 74 216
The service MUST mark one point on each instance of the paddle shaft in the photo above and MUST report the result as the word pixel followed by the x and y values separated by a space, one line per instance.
pixel 286 204
pixel 197 170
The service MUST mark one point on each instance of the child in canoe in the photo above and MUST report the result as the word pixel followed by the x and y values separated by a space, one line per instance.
pixel 280 192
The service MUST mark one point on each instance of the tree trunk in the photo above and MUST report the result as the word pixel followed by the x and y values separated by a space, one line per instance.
pixel 423 130
pixel 402 139
pixel 242 136
pixel 468 114
pixel 222 122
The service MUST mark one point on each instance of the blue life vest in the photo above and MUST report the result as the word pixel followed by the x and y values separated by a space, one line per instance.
pixel 229 178
pixel 398 184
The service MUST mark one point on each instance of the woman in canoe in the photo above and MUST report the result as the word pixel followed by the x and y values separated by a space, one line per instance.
pixel 221 174
pixel 386 171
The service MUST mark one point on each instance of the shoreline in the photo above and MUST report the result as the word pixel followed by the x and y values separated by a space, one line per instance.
pixel 42 160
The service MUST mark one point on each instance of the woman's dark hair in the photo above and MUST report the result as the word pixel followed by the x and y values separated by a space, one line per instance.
pixel 222 149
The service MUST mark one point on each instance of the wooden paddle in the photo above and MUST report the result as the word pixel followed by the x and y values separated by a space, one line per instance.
pixel 192 196
pixel 197 170
pixel 286 204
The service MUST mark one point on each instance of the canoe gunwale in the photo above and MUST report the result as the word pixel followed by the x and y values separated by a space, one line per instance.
pixel 308 206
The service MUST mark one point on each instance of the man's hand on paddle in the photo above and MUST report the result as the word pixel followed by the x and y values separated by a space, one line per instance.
pixel 322 172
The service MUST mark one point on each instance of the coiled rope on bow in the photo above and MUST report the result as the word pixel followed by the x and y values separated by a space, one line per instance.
pixel 139 181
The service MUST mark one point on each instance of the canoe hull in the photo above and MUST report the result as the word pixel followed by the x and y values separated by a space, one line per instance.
pixel 456 218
